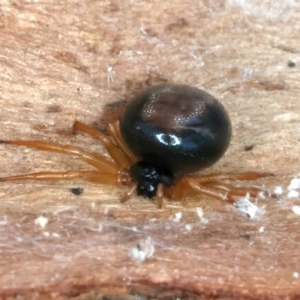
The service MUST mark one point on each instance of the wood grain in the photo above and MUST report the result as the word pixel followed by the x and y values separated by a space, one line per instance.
pixel 62 61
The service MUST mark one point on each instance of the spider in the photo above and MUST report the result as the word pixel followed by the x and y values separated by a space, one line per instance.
pixel 164 136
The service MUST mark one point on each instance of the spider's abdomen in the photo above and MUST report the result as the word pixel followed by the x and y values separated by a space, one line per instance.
pixel 178 127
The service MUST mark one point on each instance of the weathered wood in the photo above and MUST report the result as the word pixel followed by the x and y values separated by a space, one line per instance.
pixel 62 61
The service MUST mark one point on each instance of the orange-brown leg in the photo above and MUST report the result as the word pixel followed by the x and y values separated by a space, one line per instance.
pixel 178 190
pixel 213 185
pixel 109 172
pixel 129 195
pixel 99 162
pixel 216 182
pixel 117 155
pixel 114 131
pixel 231 176
pixel 234 191
pixel 93 176
pixel 192 183
pixel 188 185
pixel 160 195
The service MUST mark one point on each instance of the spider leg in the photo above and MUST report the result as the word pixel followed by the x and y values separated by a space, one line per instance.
pixel 129 195
pixel 99 162
pixel 212 185
pixel 114 151
pixel 192 186
pixel 234 191
pixel 192 183
pixel 93 176
pixel 160 195
pixel 231 176
pixel 178 190
pixel 216 181
pixel 114 131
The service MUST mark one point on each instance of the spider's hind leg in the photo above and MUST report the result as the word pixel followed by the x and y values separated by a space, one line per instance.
pixel 231 176
pixel 216 186
pixel 190 186
pixel 219 181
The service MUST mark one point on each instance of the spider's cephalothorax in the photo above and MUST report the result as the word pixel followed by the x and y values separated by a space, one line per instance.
pixel 148 176
pixel 165 134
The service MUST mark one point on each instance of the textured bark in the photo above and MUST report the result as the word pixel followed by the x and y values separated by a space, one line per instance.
pixel 62 61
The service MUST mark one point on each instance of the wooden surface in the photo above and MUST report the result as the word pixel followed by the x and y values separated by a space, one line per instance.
pixel 62 61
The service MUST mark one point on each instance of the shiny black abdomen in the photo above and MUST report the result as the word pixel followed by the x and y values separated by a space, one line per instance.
pixel 181 128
